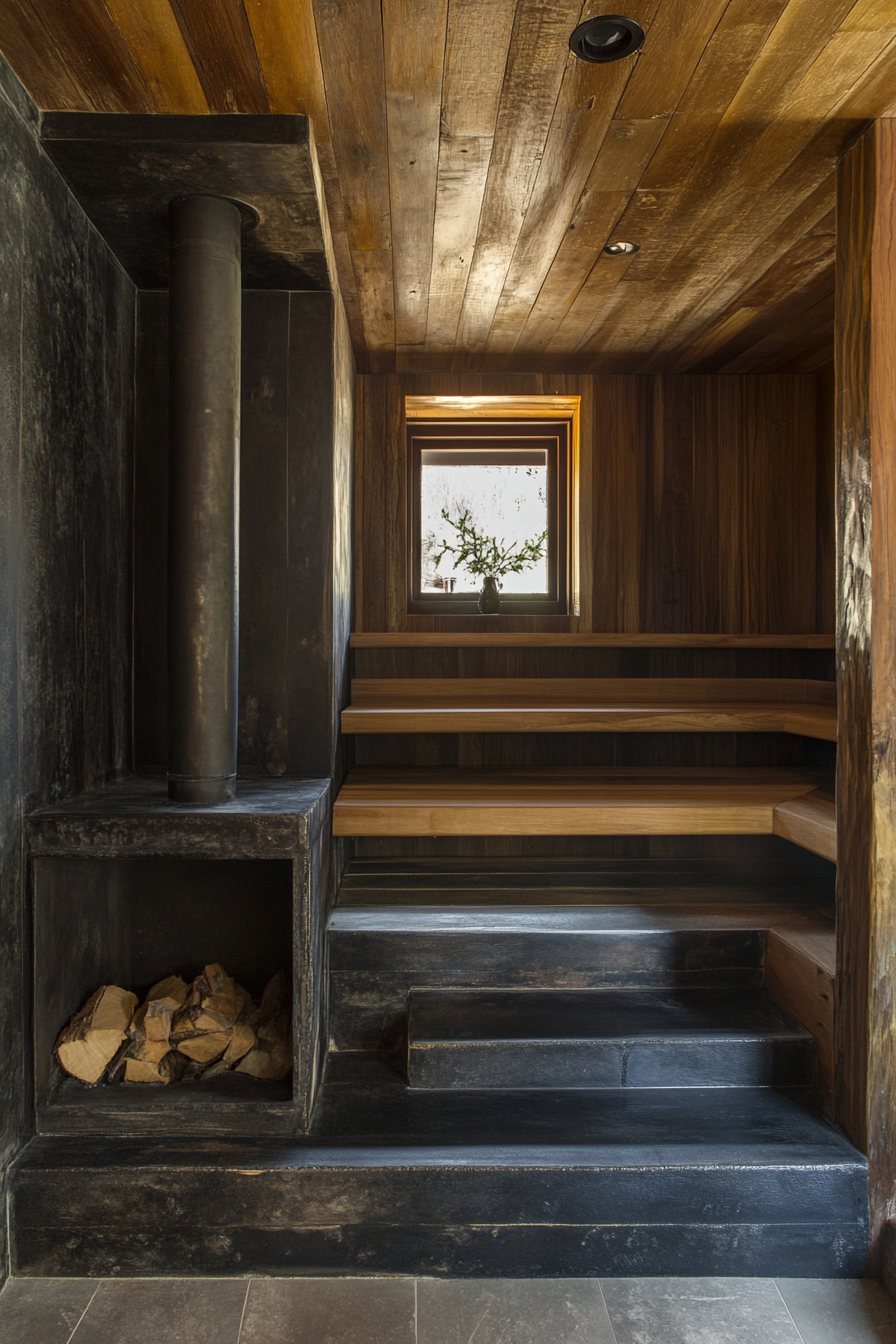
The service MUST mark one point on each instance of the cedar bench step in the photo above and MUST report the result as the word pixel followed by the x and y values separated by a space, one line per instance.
pixel 591 705
pixel 594 801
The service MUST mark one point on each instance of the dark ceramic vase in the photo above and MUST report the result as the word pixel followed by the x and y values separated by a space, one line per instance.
pixel 489 598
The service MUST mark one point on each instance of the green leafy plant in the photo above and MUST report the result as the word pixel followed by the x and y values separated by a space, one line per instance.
pixel 486 556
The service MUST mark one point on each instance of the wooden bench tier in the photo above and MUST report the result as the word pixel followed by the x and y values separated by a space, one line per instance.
pixel 810 821
pixel 583 801
pixel 546 639
pixel 592 705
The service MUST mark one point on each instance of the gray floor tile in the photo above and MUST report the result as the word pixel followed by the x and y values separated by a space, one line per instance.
pixel 511 1311
pixel 840 1311
pixel 698 1311
pixel 164 1311
pixel 43 1311
pixel 329 1311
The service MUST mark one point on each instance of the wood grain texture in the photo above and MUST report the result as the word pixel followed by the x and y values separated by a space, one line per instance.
pixel 701 502
pixel 866 655
pixel 810 822
pixel 563 802
pixel 598 705
pixel 427 639
pixel 515 717
pixel 475 169
pixel 223 52
pixel 800 975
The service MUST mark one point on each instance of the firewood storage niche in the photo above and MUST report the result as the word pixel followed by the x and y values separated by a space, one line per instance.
pixel 131 922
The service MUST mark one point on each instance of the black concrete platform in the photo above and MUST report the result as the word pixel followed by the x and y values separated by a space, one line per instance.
pixel 378 954
pixel 776 872
pixel 737 1182
pixel 603 1038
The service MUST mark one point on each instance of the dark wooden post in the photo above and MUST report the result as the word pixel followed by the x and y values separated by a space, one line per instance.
pixel 866 658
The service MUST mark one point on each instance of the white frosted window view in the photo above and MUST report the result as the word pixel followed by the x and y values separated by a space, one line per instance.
pixel 506 493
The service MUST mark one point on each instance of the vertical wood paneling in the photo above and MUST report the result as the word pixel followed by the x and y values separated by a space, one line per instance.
pixel 701 509
pixel 866 656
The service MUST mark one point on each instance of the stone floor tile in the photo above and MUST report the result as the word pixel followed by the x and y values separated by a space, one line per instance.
pixel 698 1311
pixel 164 1311
pixel 329 1311
pixel 840 1311
pixel 43 1311
pixel 511 1311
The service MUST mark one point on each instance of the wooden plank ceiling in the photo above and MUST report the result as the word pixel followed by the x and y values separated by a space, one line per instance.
pixel 474 169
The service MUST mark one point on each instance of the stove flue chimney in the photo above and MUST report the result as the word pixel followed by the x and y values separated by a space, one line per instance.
pixel 203 512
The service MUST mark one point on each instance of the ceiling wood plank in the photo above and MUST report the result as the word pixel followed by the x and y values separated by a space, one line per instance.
pixel 583 241
pixel 536 64
pixel 578 131
pixel 350 39
pixel 42 64
pixel 151 33
pixel 77 43
pixel 474 169
pixel 477 42
pixel 414 49
pixel 285 38
pixel 677 36
pixel 781 347
pixel 222 49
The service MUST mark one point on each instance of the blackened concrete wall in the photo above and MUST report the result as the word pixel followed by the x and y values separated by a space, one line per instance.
pixel 295 532
pixel 66 433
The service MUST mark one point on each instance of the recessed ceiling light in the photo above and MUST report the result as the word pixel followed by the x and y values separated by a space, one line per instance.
pixel 607 37
pixel 621 249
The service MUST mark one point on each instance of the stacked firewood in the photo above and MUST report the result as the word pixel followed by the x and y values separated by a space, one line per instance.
pixel 179 1031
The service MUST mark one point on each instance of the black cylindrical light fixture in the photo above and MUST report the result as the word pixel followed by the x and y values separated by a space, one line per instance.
pixel 205 298
pixel 606 37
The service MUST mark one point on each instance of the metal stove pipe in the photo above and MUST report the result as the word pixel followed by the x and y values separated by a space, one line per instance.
pixel 203 510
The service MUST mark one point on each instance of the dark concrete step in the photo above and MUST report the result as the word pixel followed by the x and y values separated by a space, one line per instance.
pixel 603 1039
pixel 792 875
pixel 652 1182
pixel 378 954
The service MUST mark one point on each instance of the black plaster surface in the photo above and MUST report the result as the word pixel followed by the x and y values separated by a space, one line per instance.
pixel 124 169
pixel 514 1184
pixel 66 425
pixel 295 533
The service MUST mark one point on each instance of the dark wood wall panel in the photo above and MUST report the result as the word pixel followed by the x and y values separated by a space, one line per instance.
pixel 865 1043
pixel 707 502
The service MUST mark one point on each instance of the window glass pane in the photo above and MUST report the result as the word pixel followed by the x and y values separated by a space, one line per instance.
pixel 506 492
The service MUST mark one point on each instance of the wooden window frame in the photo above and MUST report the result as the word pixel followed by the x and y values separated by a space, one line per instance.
pixel 556 437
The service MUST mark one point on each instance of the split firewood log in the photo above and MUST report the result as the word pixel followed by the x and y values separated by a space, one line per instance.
pixel 271 1057
pixel 141 1045
pixel 166 1070
pixel 241 1042
pixel 91 1040
pixel 206 1047
pixel 162 1002
pixel 214 1004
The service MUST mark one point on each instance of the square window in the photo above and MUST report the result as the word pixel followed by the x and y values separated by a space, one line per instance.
pixel 510 481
